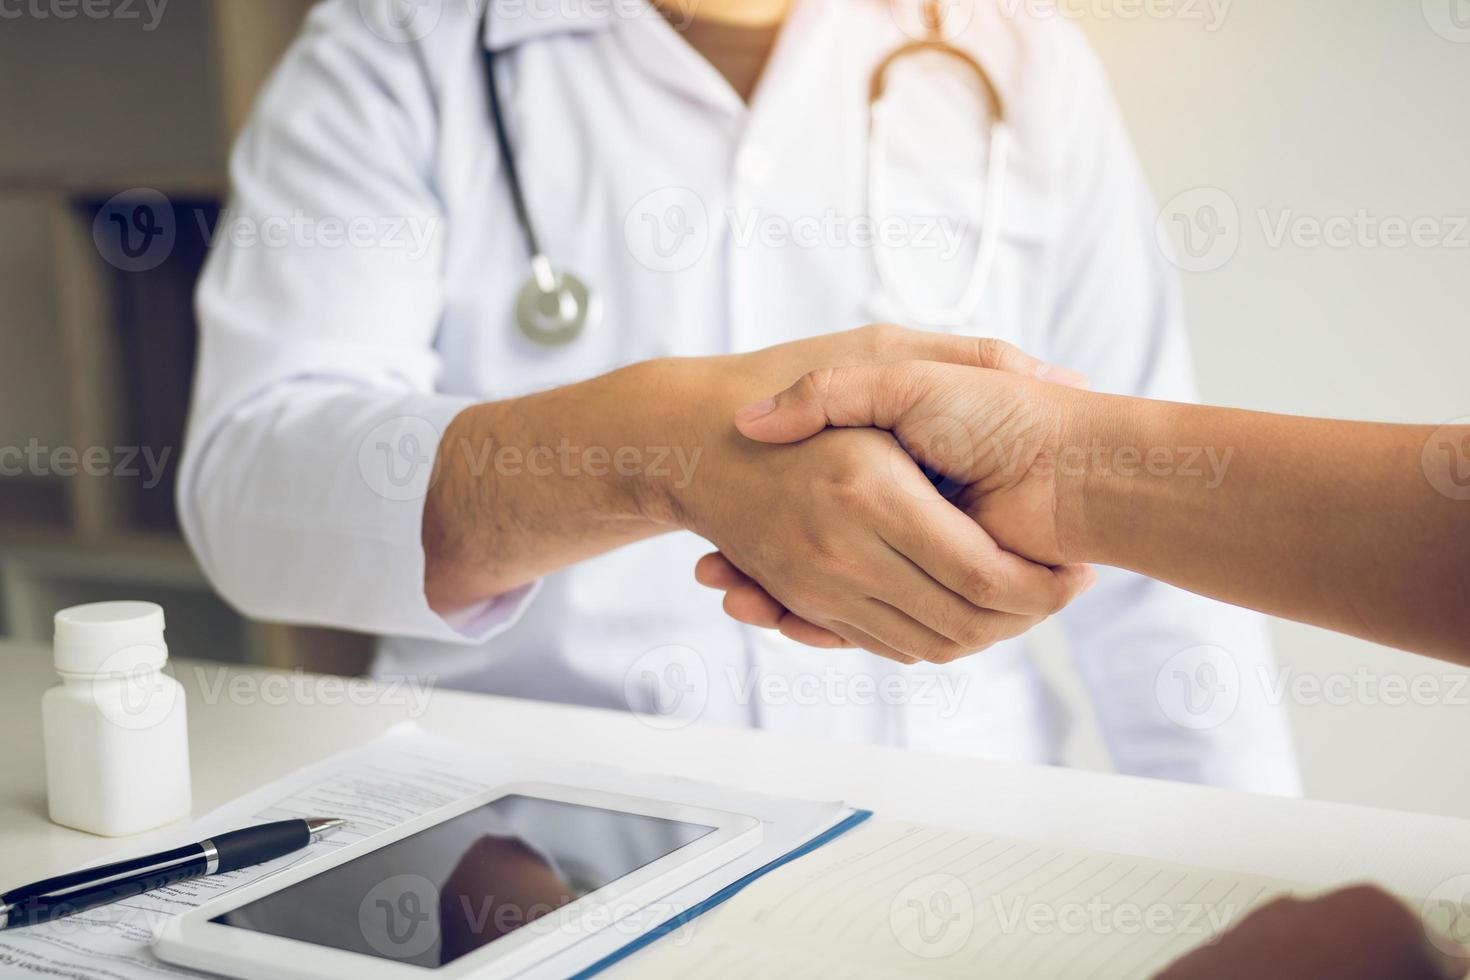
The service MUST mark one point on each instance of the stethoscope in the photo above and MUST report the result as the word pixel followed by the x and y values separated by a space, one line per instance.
pixel 555 307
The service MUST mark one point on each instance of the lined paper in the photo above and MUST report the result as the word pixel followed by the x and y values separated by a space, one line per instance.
pixel 903 899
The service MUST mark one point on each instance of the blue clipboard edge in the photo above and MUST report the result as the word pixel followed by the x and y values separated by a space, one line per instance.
pixel 724 894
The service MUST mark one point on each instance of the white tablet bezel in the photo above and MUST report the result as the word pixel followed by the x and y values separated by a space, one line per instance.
pixel 192 940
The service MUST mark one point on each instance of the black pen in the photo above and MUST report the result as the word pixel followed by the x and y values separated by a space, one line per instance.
pixel 91 887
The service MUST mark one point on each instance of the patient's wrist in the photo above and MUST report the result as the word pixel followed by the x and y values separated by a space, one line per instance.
pixel 1099 442
pixel 1141 468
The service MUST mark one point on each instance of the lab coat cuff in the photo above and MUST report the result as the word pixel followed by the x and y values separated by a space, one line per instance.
pixel 483 620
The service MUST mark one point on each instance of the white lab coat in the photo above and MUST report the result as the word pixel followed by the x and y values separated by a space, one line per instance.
pixel 321 361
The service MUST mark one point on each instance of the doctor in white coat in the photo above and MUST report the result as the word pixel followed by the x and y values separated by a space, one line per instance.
pixel 375 444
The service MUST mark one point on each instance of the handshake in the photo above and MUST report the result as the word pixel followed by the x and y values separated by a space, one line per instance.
pixel 909 501
pixel 924 496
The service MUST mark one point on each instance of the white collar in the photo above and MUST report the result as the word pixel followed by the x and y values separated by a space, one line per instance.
pixel 513 21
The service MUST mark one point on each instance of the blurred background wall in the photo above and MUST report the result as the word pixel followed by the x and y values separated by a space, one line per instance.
pixel 1265 126
pixel 103 105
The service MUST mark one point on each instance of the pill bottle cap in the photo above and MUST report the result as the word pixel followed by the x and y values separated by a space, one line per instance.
pixel 109 637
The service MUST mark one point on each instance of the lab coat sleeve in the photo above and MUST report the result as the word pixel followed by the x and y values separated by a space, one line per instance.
pixel 1137 643
pixel 315 415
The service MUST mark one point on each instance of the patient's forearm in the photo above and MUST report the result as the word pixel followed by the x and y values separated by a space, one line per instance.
pixel 1332 523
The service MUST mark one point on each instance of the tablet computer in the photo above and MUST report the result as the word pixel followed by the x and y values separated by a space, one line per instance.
pixel 490 886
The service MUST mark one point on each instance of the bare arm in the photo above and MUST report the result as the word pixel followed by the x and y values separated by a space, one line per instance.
pixel 529 485
pixel 1331 523
pixel 1353 526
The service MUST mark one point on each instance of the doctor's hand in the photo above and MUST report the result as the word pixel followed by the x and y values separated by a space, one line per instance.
pixel 843 540
pixel 991 439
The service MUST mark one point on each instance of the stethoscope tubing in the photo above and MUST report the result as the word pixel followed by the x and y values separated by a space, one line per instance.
pixel 507 152
pixel 550 283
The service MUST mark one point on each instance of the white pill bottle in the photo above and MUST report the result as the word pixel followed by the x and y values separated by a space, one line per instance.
pixel 116 732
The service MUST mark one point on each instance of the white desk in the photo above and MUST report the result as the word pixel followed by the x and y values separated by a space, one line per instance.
pixel 244 735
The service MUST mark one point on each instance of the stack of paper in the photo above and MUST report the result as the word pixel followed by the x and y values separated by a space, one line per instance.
pixel 404 774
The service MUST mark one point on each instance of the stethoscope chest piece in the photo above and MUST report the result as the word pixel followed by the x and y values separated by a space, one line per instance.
pixel 554 308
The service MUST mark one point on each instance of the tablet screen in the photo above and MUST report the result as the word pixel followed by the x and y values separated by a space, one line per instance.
pixel 436 895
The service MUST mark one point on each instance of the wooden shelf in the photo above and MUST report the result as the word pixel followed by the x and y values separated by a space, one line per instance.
pixel 164 557
pixel 102 185
pixel 83 323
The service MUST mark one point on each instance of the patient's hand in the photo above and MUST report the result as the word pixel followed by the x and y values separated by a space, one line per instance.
pixel 992 439
pixel 847 530
pixel 1359 933
pixel 844 530
pixel 997 442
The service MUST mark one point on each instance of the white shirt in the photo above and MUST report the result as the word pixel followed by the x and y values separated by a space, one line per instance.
pixel 360 294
